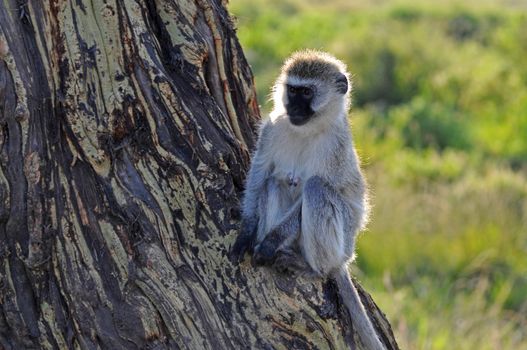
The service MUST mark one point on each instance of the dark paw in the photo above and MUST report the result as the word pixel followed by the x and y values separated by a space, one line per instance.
pixel 282 265
pixel 242 245
pixel 290 263
pixel 264 253
pixel 285 265
pixel 285 270
pixel 245 240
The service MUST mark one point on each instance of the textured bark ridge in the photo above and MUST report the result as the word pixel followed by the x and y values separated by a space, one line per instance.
pixel 124 135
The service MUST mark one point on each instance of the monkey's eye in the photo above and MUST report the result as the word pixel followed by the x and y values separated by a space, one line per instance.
pixel 307 92
pixel 291 89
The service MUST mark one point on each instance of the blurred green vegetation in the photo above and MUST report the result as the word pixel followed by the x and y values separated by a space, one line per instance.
pixel 439 117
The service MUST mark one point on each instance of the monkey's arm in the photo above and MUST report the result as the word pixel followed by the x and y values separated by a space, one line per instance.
pixel 254 186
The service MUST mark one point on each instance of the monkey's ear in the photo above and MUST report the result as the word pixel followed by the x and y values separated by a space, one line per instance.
pixel 341 83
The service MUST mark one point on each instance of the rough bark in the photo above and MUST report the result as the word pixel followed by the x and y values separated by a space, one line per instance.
pixel 124 135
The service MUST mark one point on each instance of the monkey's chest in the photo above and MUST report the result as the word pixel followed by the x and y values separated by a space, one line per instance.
pixel 293 168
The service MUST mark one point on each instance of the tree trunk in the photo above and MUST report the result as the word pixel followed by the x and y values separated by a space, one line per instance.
pixel 124 135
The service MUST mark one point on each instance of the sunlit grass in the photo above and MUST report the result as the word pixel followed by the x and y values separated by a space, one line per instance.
pixel 447 261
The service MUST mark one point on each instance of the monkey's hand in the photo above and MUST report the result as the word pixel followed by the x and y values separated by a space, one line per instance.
pixel 245 240
pixel 265 252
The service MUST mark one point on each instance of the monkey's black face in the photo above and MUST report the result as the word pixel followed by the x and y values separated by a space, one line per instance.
pixel 299 103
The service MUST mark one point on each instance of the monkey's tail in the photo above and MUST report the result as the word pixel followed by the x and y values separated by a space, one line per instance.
pixel 358 315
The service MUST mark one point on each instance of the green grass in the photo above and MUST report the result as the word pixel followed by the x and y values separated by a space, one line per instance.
pixel 439 118
pixel 450 256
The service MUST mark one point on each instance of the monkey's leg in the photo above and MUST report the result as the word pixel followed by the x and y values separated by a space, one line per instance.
pixel 267 209
pixel 325 216
pixel 283 233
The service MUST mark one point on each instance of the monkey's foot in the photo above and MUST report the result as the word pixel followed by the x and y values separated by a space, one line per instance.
pixel 291 262
pixel 264 253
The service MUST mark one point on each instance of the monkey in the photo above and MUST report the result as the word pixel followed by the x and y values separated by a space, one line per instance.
pixel 306 198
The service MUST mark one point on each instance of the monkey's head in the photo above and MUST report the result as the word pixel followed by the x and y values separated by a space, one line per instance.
pixel 311 84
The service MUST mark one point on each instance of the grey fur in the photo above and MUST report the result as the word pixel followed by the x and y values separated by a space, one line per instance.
pixel 305 190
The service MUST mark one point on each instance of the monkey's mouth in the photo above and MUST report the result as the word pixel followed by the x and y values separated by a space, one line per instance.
pixel 299 116
pixel 298 119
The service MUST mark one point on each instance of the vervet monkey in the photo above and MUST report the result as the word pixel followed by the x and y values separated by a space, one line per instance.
pixel 305 198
